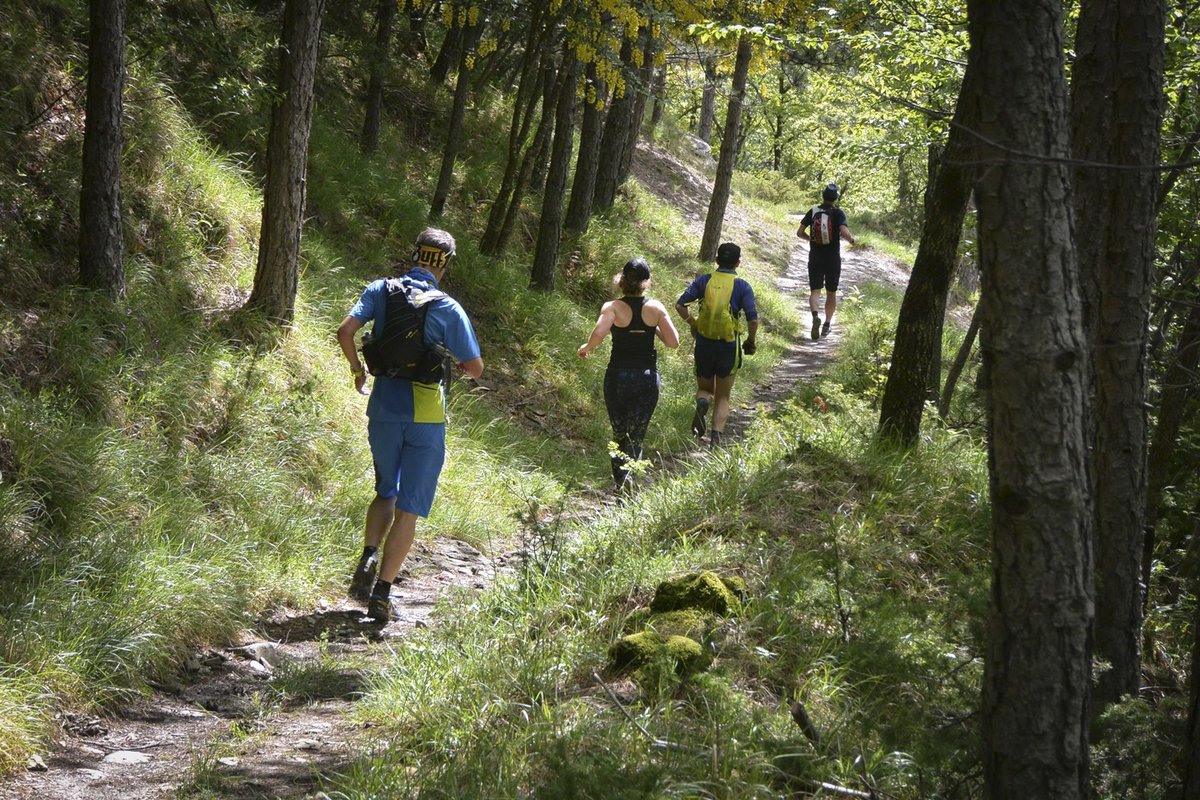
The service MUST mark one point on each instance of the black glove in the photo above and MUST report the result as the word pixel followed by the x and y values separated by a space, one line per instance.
pixel 748 347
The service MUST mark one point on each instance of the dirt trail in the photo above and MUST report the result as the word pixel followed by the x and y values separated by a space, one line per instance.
pixel 216 727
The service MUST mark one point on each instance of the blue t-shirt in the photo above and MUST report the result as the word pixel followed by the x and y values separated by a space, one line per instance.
pixel 446 324
pixel 740 300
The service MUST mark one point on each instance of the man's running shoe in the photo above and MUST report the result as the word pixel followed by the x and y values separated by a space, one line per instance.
pixel 379 609
pixel 824 330
pixel 714 439
pixel 816 328
pixel 364 578
pixel 699 416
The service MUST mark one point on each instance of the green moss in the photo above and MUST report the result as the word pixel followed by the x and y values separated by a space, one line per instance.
pixel 687 622
pixel 705 590
pixel 648 647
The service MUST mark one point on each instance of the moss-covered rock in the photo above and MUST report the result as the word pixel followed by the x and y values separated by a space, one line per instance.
pixel 691 622
pixel 706 591
pixel 641 649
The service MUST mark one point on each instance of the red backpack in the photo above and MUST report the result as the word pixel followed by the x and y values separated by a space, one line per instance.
pixel 822 226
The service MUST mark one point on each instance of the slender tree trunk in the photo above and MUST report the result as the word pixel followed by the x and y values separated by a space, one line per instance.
pixel 100 230
pixel 916 365
pixel 1191 754
pixel 417 43
pixel 704 127
pixel 545 255
pixel 780 120
pixel 733 121
pixel 384 19
pixel 275 278
pixel 579 213
pixel 524 106
pixel 540 152
pixel 634 132
pixel 540 137
pixel 462 88
pixel 1179 383
pixel 447 56
pixel 660 98
pixel 1116 114
pixel 616 127
pixel 956 368
pixel 1036 673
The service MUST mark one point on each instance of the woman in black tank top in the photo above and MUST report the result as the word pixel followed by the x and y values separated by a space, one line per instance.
pixel 631 382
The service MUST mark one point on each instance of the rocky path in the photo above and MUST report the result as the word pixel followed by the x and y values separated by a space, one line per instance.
pixel 265 717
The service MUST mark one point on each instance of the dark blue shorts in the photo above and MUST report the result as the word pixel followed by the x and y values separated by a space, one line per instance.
pixel 408 460
pixel 716 359
pixel 824 271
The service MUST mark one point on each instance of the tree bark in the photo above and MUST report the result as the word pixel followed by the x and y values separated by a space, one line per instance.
pixel 956 368
pixel 448 54
pixel 1036 673
pixel 384 18
pixel 1191 780
pixel 524 106
pixel 540 137
pixel 915 370
pixel 579 213
pixel 616 128
pixel 704 127
pixel 729 138
pixel 545 255
pixel 1178 385
pixel 1116 113
pixel 277 272
pixel 100 230
pixel 660 98
pixel 634 132
pixel 462 88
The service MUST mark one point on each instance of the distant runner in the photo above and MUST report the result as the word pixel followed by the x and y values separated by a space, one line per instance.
pixel 723 298
pixel 631 383
pixel 828 227
pixel 407 415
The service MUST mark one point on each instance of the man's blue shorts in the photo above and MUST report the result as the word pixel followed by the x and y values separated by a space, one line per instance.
pixel 715 358
pixel 408 460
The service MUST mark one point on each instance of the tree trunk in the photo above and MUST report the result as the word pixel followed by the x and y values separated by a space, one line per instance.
pixel 448 55
pixel 100 231
pixel 540 152
pixel 780 119
pixel 384 18
pixel 1179 384
pixel 660 98
pixel 1036 672
pixel 540 137
pixel 524 106
pixel 1116 114
pixel 417 43
pixel 960 362
pixel 733 121
pixel 274 293
pixel 545 256
pixel 916 366
pixel 616 127
pixel 579 213
pixel 634 132
pixel 1191 754
pixel 704 128
pixel 454 133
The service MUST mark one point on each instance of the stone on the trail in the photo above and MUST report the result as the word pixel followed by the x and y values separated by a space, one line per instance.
pixel 260 669
pixel 228 761
pixel 90 774
pixel 126 757
pixel 308 744
pixel 706 591
pixel 265 653
pixel 36 764
pixel 192 663
pixel 640 649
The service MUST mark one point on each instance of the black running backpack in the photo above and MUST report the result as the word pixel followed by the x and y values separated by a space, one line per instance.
pixel 399 351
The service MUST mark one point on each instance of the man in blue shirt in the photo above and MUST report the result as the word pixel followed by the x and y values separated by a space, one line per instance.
pixel 824 255
pixel 406 420
pixel 717 331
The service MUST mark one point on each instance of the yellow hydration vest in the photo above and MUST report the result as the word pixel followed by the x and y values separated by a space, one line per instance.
pixel 715 320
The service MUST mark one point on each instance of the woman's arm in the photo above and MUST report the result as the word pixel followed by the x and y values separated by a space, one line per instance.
pixel 665 329
pixel 603 325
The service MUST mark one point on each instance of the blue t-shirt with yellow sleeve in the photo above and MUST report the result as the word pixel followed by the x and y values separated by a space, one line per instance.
pixel 446 324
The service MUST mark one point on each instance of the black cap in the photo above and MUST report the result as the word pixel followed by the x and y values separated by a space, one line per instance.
pixel 636 268
pixel 831 192
pixel 729 254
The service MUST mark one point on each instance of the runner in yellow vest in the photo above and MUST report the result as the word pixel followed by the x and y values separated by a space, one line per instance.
pixel 723 297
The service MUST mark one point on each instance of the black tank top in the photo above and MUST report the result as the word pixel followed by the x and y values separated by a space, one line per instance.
pixel 633 345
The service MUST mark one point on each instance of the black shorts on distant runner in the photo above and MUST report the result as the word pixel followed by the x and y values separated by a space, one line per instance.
pixel 824 272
